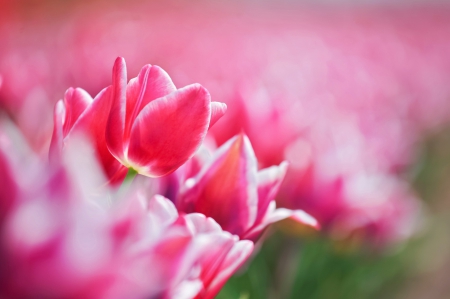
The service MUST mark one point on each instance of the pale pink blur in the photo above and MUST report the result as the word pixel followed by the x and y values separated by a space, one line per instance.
pixel 342 95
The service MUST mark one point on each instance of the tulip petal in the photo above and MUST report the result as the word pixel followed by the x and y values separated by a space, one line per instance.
pixel 92 124
pixel 187 289
pixel 225 189
pixel 269 181
pixel 198 223
pixel 76 100
pixel 217 111
pixel 169 130
pixel 152 83
pixel 273 216
pixel 169 258
pixel 213 249
pixel 237 256
pixel 56 143
pixel 162 210
pixel 304 218
pixel 115 126
pixel 210 245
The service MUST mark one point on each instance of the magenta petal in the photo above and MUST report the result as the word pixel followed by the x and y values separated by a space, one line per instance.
pixel 56 143
pixel 269 181
pixel 217 111
pixel 225 189
pixel 169 130
pixel 152 83
pixel 211 245
pixel 115 126
pixel 237 256
pixel 92 124
pixel 75 101
pixel 168 260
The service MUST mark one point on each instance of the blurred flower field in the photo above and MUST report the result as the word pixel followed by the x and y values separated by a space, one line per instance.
pixel 216 149
pixel 319 268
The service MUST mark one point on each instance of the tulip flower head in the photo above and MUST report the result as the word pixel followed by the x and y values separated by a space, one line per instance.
pixel 172 255
pixel 147 125
pixel 232 191
pixel 153 127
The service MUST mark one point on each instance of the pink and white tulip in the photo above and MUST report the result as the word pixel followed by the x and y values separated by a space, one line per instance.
pixel 184 256
pixel 147 125
pixel 58 239
pixel 153 127
pixel 230 189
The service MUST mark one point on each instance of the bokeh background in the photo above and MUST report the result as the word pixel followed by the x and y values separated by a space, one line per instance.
pixel 355 95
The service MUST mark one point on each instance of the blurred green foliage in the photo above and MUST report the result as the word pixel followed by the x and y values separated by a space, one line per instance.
pixel 288 268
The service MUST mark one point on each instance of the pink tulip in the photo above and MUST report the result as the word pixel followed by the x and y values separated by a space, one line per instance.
pixel 187 256
pixel 60 240
pixel 377 207
pixel 231 190
pixel 153 127
pixel 54 241
pixel 148 125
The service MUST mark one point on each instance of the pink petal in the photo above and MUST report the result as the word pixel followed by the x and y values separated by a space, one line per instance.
pixel 144 219
pixel 304 218
pixel 187 289
pixel 8 185
pixel 235 259
pixel 194 165
pixel 75 101
pixel 169 130
pixel 225 189
pixel 92 124
pixel 280 214
pixel 56 143
pixel 115 126
pixel 210 245
pixel 152 83
pixel 211 250
pixel 269 181
pixel 162 210
pixel 217 111
pixel 199 223
pixel 168 260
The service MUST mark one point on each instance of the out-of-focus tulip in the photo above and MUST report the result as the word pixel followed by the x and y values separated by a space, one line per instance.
pixel 54 242
pixel 347 195
pixel 58 239
pixel 187 256
pixel 153 127
pixel 231 190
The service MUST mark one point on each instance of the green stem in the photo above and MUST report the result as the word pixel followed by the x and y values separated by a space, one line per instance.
pixel 131 174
